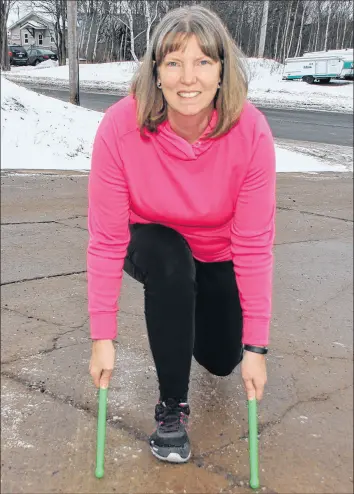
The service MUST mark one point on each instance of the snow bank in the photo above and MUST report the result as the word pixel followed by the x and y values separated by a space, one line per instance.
pixel 104 76
pixel 25 69
pixel 39 132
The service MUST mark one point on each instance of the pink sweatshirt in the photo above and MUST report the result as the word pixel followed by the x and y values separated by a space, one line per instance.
pixel 219 194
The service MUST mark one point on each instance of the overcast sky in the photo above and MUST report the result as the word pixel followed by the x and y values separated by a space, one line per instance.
pixel 21 8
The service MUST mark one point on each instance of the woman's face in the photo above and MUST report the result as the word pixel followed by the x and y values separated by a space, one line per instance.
pixel 189 79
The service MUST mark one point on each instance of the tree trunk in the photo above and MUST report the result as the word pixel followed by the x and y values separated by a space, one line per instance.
pixel 63 17
pixel 132 37
pixel 318 26
pixel 264 25
pixel 327 27
pixel 60 46
pixel 102 19
pixel 82 35
pixel 105 52
pixel 277 42
pixel 148 20
pixel 250 32
pixel 239 34
pixel 125 43
pixel 292 31
pixel 299 41
pixel 89 35
pixel 344 31
pixel 309 45
pixel 112 48
pixel 284 41
pixel 4 49
pixel 121 47
pixel 337 37
pixel 5 58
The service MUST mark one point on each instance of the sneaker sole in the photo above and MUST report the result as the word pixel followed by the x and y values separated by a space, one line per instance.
pixel 171 458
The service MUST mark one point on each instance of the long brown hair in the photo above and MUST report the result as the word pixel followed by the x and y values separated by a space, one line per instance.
pixel 173 31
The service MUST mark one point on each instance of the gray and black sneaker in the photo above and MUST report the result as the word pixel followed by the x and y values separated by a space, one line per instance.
pixel 170 441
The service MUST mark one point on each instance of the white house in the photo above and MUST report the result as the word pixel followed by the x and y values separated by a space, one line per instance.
pixel 32 30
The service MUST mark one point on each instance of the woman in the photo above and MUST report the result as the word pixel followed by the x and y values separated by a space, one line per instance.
pixel 182 196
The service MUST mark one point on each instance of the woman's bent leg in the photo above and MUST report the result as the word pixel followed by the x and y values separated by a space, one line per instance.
pixel 161 259
pixel 218 321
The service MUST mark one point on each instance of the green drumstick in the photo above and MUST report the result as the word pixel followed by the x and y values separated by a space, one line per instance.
pixel 101 432
pixel 253 443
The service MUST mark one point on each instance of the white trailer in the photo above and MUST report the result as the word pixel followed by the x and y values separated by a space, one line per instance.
pixel 312 69
pixel 345 52
pixel 347 55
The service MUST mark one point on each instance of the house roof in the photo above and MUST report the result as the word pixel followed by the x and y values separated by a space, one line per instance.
pixel 35 25
pixel 46 22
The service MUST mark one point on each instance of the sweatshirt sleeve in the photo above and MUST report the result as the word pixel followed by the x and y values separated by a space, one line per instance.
pixel 252 237
pixel 108 225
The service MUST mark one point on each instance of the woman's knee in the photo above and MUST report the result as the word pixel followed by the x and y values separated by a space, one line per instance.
pixel 220 367
pixel 159 251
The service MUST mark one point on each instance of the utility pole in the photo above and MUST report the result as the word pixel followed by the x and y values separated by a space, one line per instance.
pixel 73 53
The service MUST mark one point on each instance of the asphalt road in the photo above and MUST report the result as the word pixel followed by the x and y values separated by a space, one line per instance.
pixel 299 125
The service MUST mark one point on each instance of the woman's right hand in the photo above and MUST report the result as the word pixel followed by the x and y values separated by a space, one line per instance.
pixel 102 362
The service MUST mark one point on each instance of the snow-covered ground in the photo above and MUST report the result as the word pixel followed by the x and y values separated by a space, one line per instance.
pixel 42 133
pixel 266 86
pixel 38 132
pixel 105 76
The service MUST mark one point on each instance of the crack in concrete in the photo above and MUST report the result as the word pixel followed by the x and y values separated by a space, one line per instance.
pixel 36 278
pixel 133 432
pixel 53 348
pixel 309 354
pixel 220 449
pixel 307 314
pixel 284 208
pixel 54 323
pixel 71 226
pixel 45 221
pixel 306 241
pixel 317 398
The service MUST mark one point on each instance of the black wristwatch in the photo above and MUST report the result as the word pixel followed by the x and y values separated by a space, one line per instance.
pixel 256 349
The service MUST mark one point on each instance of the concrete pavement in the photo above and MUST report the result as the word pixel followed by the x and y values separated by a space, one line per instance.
pixel 49 404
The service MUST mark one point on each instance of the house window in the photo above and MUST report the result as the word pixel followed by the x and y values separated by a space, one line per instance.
pixel 26 39
pixel 40 39
pixel 52 40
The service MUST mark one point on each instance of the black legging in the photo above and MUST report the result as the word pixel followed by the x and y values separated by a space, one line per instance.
pixel 191 307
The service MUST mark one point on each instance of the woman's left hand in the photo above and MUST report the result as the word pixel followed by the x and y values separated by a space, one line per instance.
pixel 254 374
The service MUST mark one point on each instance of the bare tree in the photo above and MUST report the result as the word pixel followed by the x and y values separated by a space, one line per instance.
pixel 327 26
pixel 305 6
pixel 103 8
pixel 5 6
pixel 121 29
pixel 348 17
pixel 292 30
pixel 150 17
pixel 285 38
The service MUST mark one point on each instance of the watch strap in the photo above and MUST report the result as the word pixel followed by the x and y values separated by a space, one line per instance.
pixel 256 349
